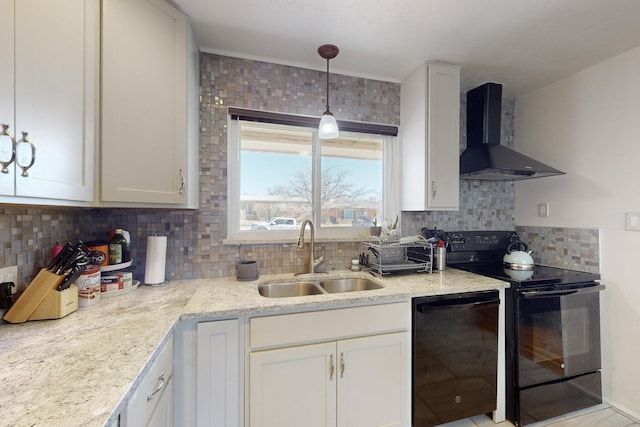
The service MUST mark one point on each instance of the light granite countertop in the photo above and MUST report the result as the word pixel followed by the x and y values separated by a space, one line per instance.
pixel 81 370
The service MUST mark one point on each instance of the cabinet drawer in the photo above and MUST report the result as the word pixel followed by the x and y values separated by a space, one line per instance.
pixel 151 388
pixel 316 326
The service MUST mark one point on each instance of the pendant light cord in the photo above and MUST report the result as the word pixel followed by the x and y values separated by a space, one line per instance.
pixel 328 52
pixel 327 110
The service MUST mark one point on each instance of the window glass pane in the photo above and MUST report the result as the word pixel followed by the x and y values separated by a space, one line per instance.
pixel 351 181
pixel 275 176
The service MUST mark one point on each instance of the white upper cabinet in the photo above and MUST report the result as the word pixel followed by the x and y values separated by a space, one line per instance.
pixel 48 98
pixel 430 137
pixel 149 136
pixel 7 66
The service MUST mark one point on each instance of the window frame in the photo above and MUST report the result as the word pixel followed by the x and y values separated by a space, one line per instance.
pixel 390 189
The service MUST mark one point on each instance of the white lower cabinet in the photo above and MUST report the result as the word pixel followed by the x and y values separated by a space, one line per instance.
pixel 373 380
pixel 217 364
pixel 350 381
pixel 293 387
pixel 356 382
pixel 208 376
pixel 162 416
pixel 152 403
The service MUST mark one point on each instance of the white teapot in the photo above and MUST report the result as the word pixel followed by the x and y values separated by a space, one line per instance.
pixel 518 257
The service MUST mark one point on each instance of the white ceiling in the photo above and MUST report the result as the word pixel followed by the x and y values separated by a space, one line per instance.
pixel 523 44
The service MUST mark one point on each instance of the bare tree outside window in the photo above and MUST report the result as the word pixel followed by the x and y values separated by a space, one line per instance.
pixel 337 192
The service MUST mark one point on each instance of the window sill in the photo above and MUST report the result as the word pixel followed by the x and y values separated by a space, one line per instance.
pixel 283 241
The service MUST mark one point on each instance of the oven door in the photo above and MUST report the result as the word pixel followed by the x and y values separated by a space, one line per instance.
pixel 559 333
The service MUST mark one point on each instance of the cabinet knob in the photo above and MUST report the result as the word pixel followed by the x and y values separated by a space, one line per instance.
pixel 5 133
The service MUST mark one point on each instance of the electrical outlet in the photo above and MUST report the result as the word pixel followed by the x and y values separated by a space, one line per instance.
pixel 543 210
pixel 10 274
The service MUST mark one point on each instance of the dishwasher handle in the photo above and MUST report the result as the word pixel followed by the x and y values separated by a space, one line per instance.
pixel 457 303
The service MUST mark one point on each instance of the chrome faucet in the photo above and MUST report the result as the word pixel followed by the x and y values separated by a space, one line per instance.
pixel 313 262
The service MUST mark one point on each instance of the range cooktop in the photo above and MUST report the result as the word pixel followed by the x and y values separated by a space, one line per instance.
pixel 481 252
pixel 540 275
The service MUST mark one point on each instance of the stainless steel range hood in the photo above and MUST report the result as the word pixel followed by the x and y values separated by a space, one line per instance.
pixel 484 157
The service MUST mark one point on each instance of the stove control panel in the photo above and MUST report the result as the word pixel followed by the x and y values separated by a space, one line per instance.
pixel 461 241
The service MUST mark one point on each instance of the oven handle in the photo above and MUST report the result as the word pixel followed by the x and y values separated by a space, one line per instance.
pixel 452 303
pixel 561 293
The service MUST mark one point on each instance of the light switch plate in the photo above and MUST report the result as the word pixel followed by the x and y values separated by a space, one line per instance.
pixel 632 221
pixel 543 209
pixel 10 274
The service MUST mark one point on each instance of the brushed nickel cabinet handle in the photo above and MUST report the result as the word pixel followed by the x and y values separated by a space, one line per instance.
pixel 341 364
pixel 434 189
pixel 5 163
pixel 331 367
pixel 25 140
pixel 158 387
pixel 183 182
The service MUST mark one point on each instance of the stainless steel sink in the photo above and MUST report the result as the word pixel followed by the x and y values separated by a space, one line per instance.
pixel 350 284
pixel 311 287
pixel 289 289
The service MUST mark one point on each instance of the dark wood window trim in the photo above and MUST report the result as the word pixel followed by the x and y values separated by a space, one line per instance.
pixel 308 121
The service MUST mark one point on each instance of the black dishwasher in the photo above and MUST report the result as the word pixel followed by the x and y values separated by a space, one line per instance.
pixel 455 356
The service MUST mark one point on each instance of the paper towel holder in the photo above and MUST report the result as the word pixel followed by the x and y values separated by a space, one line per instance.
pixel 155 263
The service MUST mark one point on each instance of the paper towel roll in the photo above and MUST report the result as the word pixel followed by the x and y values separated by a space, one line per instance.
pixel 156 260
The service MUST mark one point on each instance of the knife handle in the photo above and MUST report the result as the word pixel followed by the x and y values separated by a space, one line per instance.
pixel 64 252
pixel 71 277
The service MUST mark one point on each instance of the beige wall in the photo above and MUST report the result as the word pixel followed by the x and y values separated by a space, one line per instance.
pixel 588 125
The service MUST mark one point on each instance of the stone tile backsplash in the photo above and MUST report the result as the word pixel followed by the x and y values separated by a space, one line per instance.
pixel 195 237
pixel 572 248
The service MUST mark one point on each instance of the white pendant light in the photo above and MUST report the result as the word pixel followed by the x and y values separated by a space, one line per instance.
pixel 328 128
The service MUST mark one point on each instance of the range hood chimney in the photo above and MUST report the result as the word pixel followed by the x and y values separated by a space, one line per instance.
pixel 484 157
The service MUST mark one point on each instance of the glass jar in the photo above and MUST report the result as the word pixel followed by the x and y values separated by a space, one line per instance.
pixel 118 252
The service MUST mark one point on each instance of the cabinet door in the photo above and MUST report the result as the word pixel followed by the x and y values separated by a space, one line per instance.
pixel 144 102
pixel 293 387
pixel 217 398
pixel 374 381
pixel 153 398
pixel 7 186
pixel 56 57
pixel 430 138
pixel 443 138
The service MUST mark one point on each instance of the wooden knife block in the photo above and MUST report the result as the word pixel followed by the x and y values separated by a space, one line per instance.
pixel 41 300
pixel 57 304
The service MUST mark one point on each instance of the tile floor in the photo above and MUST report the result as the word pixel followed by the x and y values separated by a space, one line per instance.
pixel 597 416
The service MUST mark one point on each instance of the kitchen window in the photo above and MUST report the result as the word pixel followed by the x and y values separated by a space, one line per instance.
pixel 281 174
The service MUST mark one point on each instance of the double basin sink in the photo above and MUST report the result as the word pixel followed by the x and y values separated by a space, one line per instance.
pixel 316 287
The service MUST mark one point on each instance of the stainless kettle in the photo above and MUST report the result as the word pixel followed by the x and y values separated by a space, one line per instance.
pixel 518 257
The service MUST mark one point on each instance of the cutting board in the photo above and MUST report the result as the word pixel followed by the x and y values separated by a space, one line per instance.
pixel 44 282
